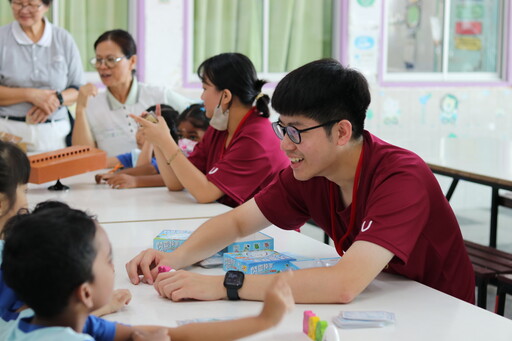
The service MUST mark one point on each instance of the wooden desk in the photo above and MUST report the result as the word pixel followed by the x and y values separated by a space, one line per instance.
pixel 421 313
pixel 483 161
pixel 134 204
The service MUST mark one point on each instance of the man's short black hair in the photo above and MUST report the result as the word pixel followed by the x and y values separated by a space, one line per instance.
pixel 324 90
pixel 48 254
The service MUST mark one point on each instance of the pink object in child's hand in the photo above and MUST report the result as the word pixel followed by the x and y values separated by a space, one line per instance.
pixel 165 268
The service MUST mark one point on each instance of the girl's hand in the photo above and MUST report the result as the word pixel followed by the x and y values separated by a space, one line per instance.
pixel 154 133
pixel 121 181
pixel 103 177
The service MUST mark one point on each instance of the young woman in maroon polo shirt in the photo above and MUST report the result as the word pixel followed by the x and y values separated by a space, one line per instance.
pixel 239 154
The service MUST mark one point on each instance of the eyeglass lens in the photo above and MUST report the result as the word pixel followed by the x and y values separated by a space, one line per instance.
pixel 292 132
pixel 32 6
pixel 110 62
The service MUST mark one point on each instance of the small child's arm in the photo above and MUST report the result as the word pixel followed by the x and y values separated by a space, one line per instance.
pixel 116 166
pixel 120 298
pixel 146 154
pixel 159 334
pixel 278 300
pixel 122 181
pixel 112 161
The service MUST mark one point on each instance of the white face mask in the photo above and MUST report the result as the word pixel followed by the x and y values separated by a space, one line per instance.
pixel 187 146
pixel 219 118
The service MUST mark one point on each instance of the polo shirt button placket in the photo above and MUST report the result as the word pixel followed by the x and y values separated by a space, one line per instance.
pixel 129 123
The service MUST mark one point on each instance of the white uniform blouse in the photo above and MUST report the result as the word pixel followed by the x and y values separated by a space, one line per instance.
pixel 51 63
pixel 112 128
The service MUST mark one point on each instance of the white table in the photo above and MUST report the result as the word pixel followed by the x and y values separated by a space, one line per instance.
pixel 422 313
pixel 134 204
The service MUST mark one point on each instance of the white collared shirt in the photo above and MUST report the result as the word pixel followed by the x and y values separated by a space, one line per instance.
pixel 51 63
pixel 112 128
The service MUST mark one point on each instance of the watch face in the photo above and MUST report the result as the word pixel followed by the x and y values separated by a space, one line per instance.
pixel 234 278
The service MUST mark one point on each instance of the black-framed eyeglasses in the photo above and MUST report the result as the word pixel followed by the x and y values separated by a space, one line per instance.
pixel 294 133
pixel 110 61
pixel 32 6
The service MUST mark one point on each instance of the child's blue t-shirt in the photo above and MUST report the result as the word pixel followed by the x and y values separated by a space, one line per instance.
pixel 22 330
pixel 9 301
pixel 101 329
pixel 128 160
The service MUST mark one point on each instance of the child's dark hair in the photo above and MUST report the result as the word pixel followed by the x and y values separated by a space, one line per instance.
pixel 170 116
pixel 48 254
pixel 196 115
pixel 236 73
pixel 14 171
pixel 324 90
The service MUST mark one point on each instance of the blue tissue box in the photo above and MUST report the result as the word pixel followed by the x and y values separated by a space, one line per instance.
pixel 169 240
pixel 257 262
pixel 254 242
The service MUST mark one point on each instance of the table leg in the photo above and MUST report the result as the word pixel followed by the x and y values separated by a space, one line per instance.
pixel 494 217
pixel 451 189
pixel 481 298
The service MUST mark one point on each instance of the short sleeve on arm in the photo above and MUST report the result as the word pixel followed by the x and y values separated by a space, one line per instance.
pixel 398 210
pixel 281 202
pixel 125 159
pixel 242 169
pixel 100 329
pixel 155 164
pixel 75 69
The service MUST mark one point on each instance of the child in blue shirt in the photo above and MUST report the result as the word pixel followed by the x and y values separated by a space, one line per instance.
pixel 186 130
pixel 14 175
pixel 139 162
pixel 59 261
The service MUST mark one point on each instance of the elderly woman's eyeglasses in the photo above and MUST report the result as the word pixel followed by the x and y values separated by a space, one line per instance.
pixel 294 133
pixel 110 62
pixel 32 6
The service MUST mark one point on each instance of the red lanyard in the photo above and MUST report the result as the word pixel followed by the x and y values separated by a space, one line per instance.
pixel 224 147
pixel 332 191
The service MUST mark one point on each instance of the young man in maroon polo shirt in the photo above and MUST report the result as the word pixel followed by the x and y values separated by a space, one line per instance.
pixel 380 204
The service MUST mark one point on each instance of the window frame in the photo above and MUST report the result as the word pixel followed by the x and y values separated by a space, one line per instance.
pixel 136 13
pixel 339 47
pixel 445 78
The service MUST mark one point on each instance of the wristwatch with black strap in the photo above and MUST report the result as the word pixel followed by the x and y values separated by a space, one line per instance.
pixel 59 97
pixel 233 281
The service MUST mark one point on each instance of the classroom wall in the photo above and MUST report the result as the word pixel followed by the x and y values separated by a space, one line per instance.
pixel 424 113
